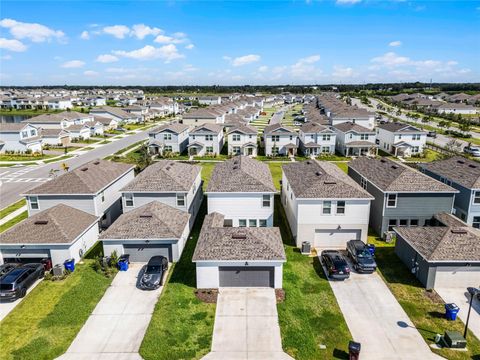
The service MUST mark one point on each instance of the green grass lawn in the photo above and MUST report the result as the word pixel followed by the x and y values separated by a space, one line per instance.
pixel 310 315
pixel 45 323
pixel 26 157
pixel 12 207
pixel 428 156
pixel 13 221
pixel 342 165
pixel 181 325
pixel 425 309
pixel 276 170
pixel 207 169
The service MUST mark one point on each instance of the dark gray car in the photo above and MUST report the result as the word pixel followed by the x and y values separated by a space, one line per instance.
pixel 15 283
pixel 335 264
pixel 155 270
pixel 362 259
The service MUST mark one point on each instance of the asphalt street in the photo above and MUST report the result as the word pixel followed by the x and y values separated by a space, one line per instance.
pixel 14 181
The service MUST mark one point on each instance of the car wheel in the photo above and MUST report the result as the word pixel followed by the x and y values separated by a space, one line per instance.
pixel 42 274
pixel 23 292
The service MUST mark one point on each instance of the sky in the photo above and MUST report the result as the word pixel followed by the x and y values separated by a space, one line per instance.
pixel 238 42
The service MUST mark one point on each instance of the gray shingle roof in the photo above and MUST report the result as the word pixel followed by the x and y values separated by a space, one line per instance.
pixel 389 175
pixel 237 244
pixel 274 127
pixel 399 127
pixel 322 180
pixel 154 220
pixel 244 129
pixel 86 179
pixel 60 224
pixel 164 176
pixel 215 128
pixel 314 127
pixel 458 169
pixel 349 126
pixel 241 174
pixel 12 127
pixel 175 128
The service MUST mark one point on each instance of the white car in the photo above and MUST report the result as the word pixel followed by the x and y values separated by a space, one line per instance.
pixel 474 151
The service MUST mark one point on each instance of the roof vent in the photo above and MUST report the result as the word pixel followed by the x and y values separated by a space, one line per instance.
pixel 472 166
pixel 235 167
pixel 460 161
pixel 235 161
pixel 239 235
pixel 84 169
pixel 318 173
pixel 167 168
pixel 172 164
pixel 148 216
pixel 394 166
pixel 308 162
pixel 383 160
pixel 96 162
pixel 329 182
pixel 41 222
pixel 458 231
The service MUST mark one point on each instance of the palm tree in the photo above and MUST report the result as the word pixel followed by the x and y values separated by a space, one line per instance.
pixel 144 158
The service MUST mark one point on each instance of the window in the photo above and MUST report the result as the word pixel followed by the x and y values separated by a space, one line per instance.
pixel 399 137
pixel 325 149
pixel 415 149
pixel 236 137
pixel 102 196
pixel 208 137
pixel 363 182
pixel 476 222
pixel 391 224
pixel 392 200
pixel 275 138
pixel 180 199
pixel 227 223
pixel 403 222
pixel 274 151
pixel 265 200
pixel 351 135
pixel 327 207
pixel 363 136
pixel 128 200
pixel 167 136
pixel 34 203
pixel 193 137
pixel 209 149
pixel 416 137
pixel 236 150
pixel 32 133
pixel 24 134
pixel 242 223
pixel 341 207
pixel 476 197
pixel 312 136
pixel 252 223
pixel 167 148
pixel 413 222
pixel 291 137
pixel 326 137
pixel 262 223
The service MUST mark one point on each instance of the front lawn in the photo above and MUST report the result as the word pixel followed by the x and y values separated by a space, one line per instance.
pixel 45 323
pixel 310 315
pixel 425 309
pixel 24 157
pixel 13 207
pixel 181 325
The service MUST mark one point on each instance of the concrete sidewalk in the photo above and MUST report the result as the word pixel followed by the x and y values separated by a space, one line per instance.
pixel 246 325
pixel 13 214
pixel 116 328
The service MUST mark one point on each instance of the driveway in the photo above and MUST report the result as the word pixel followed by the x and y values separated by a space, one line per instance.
pixel 246 325
pixel 7 306
pixel 117 325
pixel 461 297
pixel 377 320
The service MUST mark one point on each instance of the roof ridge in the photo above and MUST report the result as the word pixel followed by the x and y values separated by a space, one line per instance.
pixel 57 225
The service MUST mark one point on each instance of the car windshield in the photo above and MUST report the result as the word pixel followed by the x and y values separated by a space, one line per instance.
pixel 365 253
pixel 153 269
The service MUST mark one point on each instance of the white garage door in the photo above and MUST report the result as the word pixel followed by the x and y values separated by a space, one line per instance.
pixel 12 254
pixel 334 238
pixel 461 277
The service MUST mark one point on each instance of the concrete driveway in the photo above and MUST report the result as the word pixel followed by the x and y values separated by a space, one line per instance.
pixel 377 321
pixel 246 325
pixel 119 321
pixel 461 297
pixel 7 306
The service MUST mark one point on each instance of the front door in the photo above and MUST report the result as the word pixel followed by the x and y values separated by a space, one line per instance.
pixel 193 151
pixel 249 151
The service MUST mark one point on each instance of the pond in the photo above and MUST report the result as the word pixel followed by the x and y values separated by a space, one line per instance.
pixel 13 118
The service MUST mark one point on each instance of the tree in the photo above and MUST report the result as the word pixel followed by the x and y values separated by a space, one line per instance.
pixel 465 126
pixel 144 158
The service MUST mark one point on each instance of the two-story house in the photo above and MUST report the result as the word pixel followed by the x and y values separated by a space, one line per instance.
pixel 200 116
pixel 117 114
pixel 20 137
pixel 242 190
pixel 169 138
pixel 242 140
pixel 93 187
pixel 323 205
pixel 280 140
pixel 403 196
pixel 205 139
pixel 354 140
pixel 401 139
pixel 316 139
pixel 464 175
pixel 354 115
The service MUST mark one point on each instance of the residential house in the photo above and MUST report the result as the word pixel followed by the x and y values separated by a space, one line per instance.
pixel 169 138
pixel 93 187
pixel 108 123
pixel 200 116
pixel 55 137
pixel 242 140
pixel 403 196
pixel 117 114
pixel 81 131
pixel 354 140
pixel 456 108
pixel 464 175
pixel 61 120
pixel 316 139
pixel 20 137
pixel 323 205
pixel 210 100
pixel 205 139
pixel 401 139
pixel 280 140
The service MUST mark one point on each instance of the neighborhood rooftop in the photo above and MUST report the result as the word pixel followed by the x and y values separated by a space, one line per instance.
pixel 398 127
pixel 457 169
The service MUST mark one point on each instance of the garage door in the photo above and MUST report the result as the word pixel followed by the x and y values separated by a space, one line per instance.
pixel 143 253
pixel 334 238
pixel 33 255
pixel 461 277
pixel 246 276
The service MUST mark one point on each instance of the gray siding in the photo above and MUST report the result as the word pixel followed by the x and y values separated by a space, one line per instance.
pixel 409 256
pixel 82 202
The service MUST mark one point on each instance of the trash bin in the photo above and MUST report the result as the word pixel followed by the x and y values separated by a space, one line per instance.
pixel 371 248
pixel 306 247
pixel 69 265
pixel 451 311
pixel 124 257
pixel 354 350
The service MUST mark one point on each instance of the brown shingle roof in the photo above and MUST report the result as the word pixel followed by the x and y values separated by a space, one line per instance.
pixel 175 127
pixel 60 224
pixel 458 169
pixel 399 127
pixel 349 126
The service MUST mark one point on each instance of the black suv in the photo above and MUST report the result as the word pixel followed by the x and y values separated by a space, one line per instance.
pixel 152 277
pixel 335 264
pixel 363 260
pixel 15 283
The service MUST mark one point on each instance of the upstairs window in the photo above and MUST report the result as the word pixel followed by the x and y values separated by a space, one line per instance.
pixel 363 183
pixel 327 207
pixel 476 197
pixel 392 200
pixel 167 136
pixel 209 137
pixel 326 137
pixel 180 199
pixel 363 136
pixel 128 200
pixel 236 137
pixel 265 200
pixel 416 137
pixel 102 196
pixel 341 207
pixel 34 203
pixel 242 223
pixel 275 137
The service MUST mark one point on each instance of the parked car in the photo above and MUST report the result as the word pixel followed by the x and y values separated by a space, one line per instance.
pixel 155 270
pixel 335 264
pixel 471 150
pixel 6 268
pixel 361 256
pixel 432 134
pixel 15 284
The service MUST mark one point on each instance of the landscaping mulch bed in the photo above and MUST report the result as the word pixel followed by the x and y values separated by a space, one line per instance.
pixel 280 295
pixel 208 296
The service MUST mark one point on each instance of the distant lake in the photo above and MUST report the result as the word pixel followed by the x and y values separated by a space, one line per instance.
pixel 13 118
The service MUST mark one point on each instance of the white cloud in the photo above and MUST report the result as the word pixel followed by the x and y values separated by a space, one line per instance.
pixel 342 72
pixel 148 52
pixel 189 46
pixel 6 57
pixel 32 31
pixel 73 64
pixel 391 59
pixel 85 35
pixel 395 43
pixel 244 60
pixel 106 58
pixel 347 2
pixel 189 68
pixel 452 63
pixel 12 45
pixel 177 38
pixel 118 31
pixel 90 73
pixel 263 68
pixel 142 30
pixel 305 67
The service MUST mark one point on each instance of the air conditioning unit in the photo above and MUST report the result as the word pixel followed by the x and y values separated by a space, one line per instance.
pixel 389 236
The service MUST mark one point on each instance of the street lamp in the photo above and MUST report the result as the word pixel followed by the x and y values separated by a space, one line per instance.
pixel 472 291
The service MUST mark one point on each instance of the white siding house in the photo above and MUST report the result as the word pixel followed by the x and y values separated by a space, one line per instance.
pixel 20 137
pixel 401 139
pixel 316 139
pixel 242 140
pixel 171 138
pixel 354 140
pixel 280 140
pixel 205 139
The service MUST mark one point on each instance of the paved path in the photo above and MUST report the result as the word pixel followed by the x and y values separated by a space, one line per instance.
pixel 13 215
pixel 7 306
pixel 377 320
pixel 116 328
pixel 246 325
pixel 461 297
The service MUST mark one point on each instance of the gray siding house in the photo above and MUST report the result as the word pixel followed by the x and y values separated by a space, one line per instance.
pixel 403 196
pixel 464 175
